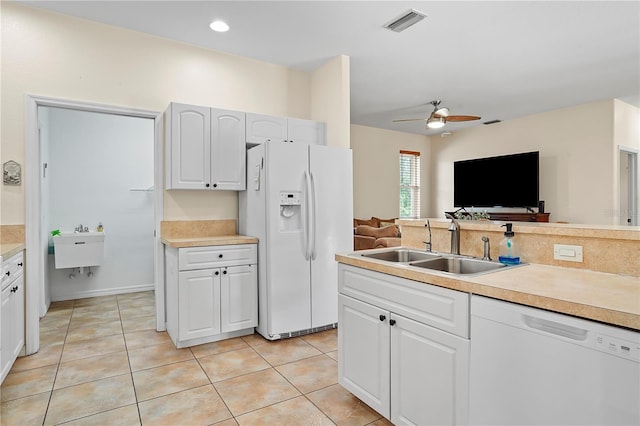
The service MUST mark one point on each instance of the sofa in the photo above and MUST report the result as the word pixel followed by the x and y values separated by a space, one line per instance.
pixel 375 233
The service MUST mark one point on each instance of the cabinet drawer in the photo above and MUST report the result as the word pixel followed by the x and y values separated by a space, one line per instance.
pixel 12 268
pixel 216 256
pixel 438 307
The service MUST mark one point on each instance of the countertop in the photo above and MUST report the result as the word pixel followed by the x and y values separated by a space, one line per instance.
pixel 218 240
pixel 9 249
pixel 604 297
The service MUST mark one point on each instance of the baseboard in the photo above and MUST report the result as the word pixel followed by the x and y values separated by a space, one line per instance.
pixel 102 292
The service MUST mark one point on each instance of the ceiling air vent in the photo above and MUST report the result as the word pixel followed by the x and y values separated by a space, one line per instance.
pixel 405 20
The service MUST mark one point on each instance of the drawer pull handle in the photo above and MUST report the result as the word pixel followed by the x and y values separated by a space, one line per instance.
pixel 8 273
pixel 14 289
pixel 382 317
pixel 217 272
pixel 20 264
pixel 220 256
pixel 392 322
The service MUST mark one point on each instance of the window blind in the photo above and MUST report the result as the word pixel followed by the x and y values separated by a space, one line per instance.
pixel 409 184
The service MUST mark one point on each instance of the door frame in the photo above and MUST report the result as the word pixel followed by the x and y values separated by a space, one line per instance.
pixel 34 287
pixel 633 184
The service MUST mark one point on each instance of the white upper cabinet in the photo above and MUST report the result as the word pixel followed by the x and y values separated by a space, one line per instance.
pixel 188 146
pixel 228 150
pixel 205 148
pixel 262 128
pixel 305 131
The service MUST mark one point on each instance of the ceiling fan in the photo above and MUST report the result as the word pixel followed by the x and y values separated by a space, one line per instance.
pixel 440 116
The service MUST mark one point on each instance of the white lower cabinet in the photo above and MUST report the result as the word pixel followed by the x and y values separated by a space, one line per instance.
pixel 392 355
pixel 214 303
pixel 12 313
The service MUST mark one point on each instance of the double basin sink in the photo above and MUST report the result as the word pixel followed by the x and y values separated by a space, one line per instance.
pixel 453 264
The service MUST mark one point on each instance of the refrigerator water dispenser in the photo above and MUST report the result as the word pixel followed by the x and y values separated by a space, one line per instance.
pixel 290 212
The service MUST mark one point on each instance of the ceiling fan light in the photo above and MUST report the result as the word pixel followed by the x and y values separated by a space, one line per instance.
pixel 443 112
pixel 435 122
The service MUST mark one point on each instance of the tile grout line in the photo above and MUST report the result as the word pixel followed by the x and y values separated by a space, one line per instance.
pixel 126 348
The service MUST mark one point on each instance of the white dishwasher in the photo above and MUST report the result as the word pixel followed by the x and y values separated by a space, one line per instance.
pixel 534 367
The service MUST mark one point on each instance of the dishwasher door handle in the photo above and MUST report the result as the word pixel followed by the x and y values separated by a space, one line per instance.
pixel 556 328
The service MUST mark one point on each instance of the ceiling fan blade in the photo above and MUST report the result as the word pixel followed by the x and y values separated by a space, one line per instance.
pixel 407 119
pixel 455 118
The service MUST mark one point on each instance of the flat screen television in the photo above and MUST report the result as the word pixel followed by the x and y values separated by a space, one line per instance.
pixel 504 181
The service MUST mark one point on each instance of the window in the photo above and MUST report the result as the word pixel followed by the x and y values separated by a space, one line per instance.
pixel 409 184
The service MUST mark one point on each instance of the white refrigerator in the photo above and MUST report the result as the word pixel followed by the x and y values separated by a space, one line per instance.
pixel 299 204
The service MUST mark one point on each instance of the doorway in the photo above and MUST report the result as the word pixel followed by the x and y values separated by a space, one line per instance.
pixel 629 185
pixel 39 221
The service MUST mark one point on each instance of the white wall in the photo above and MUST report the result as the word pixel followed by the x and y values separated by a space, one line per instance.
pixel 331 101
pixel 576 160
pixel 626 140
pixel 95 162
pixel 376 170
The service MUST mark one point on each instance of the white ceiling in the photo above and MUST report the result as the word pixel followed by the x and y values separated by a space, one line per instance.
pixel 498 59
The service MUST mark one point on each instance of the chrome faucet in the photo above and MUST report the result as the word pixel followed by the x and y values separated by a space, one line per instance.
pixel 454 228
pixel 81 228
pixel 428 243
pixel 487 249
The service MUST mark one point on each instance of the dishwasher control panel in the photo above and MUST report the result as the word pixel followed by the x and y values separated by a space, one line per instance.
pixel 619 347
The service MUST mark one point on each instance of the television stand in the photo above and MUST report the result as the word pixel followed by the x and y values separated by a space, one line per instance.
pixel 515 217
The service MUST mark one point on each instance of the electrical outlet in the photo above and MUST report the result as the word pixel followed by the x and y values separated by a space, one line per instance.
pixel 567 252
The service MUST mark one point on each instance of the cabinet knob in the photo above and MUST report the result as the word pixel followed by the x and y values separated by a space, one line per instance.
pixel 392 322
pixel 206 185
pixel 215 185
pixel 224 272
pixel 20 264
pixel 382 317
pixel 14 289
pixel 220 256
pixel 8 273
pixel 217 273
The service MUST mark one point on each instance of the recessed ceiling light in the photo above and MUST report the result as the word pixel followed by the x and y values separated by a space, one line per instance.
pixel 219 26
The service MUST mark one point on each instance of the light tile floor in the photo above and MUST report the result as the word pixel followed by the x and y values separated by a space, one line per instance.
pixel 101 362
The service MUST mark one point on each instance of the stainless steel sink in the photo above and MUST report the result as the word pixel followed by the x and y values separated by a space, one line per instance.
pixel 402 255
pixel 459 265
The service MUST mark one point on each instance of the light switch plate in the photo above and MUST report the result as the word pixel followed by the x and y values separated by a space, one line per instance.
pixel 567 252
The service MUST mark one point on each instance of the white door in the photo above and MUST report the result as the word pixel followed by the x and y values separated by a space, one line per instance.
pixel 305 131
pixel 288 273
pixel 263 128
pixel 239 298
pixel 363 352
pixel 190 147
pixel 331 174
pixel 429 375
pixel 228 150
pixel 198 303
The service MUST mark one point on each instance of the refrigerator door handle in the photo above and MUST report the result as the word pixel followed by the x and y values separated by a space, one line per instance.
pixel 307 224
pixel 312 222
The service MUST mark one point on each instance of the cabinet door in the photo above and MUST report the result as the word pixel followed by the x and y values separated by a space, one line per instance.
pixel 190 142
pixel 17 301
pixel 228 150
pixel 239 298
pixel 305 131
pixel 363 352
pixel 199 303
pixel 7 332
pixel 429 375
pixel 262 128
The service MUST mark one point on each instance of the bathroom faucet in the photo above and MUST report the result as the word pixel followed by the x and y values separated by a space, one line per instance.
pixel 487 249
pixel 454 228
pixel 428 243
pixel 81 228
